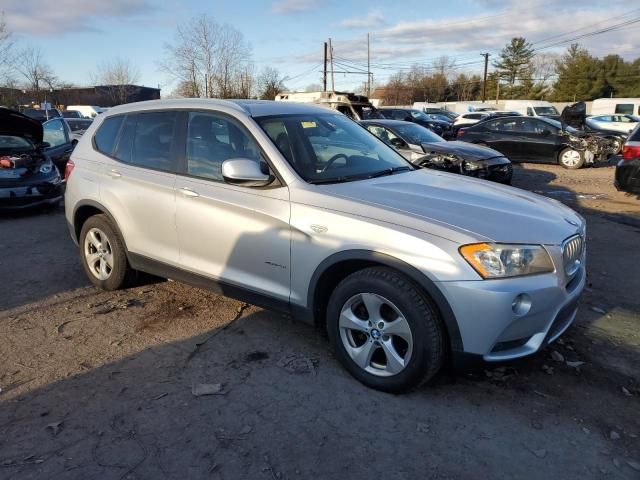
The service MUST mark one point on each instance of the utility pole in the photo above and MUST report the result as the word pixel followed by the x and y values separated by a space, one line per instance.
pixel 484 83
pixel 333 88
pixel 206 86
pixel 324 70
pixel 368 66
pixel 497 89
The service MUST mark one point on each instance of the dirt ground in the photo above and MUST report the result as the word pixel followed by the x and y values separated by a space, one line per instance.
pixel 102 385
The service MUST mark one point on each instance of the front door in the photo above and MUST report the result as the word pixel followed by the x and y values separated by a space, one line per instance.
pixel 239 236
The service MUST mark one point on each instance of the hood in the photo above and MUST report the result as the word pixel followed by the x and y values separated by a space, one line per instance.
pixel 467 151
pixel 574 115
pixel 457 207
pixel 18 125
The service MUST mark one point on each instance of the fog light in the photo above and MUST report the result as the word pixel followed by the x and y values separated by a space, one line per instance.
pixel 521 304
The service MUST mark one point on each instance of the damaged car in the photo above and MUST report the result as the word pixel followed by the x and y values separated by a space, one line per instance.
pixel 424 148
pixel 537 139
pixel 28 177
pixel 575 116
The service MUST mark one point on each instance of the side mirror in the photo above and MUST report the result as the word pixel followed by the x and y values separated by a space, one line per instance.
pixel 398 142
pixel 245 172
pixel 44 145
pixel 546 133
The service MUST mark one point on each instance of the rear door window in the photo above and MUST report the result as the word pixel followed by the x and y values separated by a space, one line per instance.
pixel 107 134
pixel 147 140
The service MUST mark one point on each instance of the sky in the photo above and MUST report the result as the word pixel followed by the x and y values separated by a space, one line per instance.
pixel 76 36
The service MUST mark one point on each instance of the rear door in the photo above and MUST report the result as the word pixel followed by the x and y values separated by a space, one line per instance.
pixel 56 133
pixel 502 135
pixel 138 183
pixel 239 236
pixel 539 140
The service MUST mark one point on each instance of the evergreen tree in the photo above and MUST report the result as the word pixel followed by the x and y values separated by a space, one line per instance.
pixel 515 65
pixel 577 73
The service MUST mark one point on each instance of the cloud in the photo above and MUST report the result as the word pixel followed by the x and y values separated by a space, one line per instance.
pixel 285 7
pixel 46 17
pixel 374 18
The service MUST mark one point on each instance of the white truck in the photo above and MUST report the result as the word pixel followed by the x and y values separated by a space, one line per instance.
pixel 350 104
pixel 532 108
pixel 613 106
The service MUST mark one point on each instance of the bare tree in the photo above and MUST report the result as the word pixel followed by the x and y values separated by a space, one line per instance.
pixel 38 75
pixel 118 76
pixel 270 83
pixel 6 50
pixel 209 60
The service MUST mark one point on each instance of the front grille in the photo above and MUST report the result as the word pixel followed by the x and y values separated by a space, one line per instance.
pixel 572 250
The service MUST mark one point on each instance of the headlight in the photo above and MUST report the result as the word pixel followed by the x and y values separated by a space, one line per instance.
pixel 496 260
pixel 471 166
pixel 46 167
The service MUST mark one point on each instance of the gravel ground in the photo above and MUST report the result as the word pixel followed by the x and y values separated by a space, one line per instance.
pixel 107 385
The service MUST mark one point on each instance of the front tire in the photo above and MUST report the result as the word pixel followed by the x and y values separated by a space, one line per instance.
pixel 103 253
pixel 571 159
pixel 385 330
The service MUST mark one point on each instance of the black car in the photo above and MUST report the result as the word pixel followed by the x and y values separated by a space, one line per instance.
pixel 440 127
pixel 59 140
pixel 424 148
pixel 42 115
pixel 28 178
pixel 536 139
pixel 628 169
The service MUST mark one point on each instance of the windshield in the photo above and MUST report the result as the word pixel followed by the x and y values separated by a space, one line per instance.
pixel 417 134
pixel 419 115
pixel 558 125
pixel 551 110
pixel 329 148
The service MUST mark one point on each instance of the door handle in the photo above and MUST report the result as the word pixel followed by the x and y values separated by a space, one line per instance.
pixel 115 173
pixel 187 192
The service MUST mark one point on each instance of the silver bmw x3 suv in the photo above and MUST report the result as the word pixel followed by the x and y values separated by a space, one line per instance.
pixel 300 209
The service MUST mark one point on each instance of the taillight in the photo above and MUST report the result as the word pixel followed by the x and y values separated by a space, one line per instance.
pixel 460 132
pixel 629 152
pixel 68 169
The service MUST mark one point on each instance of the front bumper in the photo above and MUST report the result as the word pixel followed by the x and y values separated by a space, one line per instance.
pixel 490 329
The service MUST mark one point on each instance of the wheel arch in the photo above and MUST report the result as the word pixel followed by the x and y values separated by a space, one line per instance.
pixel 86 209
pixel 339 265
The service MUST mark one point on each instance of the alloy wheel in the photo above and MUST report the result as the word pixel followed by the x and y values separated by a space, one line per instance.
pixel 98 253
pixel 375 334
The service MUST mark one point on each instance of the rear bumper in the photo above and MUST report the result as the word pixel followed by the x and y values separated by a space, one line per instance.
pixel 628 175
pixel 24 197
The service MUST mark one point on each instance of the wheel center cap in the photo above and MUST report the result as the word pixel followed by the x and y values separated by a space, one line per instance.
pixel 375 334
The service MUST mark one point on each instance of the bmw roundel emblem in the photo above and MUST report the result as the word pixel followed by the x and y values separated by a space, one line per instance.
pixel 375 334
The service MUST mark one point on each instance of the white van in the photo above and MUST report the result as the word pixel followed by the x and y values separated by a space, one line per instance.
pixel 532 108
pixel 88 111
pixel 612 106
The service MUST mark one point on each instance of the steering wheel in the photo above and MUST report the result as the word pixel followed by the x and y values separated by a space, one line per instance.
pixel 333 159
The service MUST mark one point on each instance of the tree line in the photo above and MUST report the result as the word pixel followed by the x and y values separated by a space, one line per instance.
pixel 519 72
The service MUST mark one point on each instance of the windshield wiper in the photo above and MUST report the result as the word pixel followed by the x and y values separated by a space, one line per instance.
pixel 389 171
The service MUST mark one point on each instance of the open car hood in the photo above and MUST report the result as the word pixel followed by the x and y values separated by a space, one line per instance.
pixel 574 115
pixel 18 125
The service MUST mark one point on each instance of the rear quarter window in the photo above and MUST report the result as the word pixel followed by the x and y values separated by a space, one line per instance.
pixel 107 134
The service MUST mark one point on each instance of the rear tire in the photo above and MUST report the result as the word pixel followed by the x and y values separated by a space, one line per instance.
pixel 385 330
pixel 103 254
pixel 571 159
